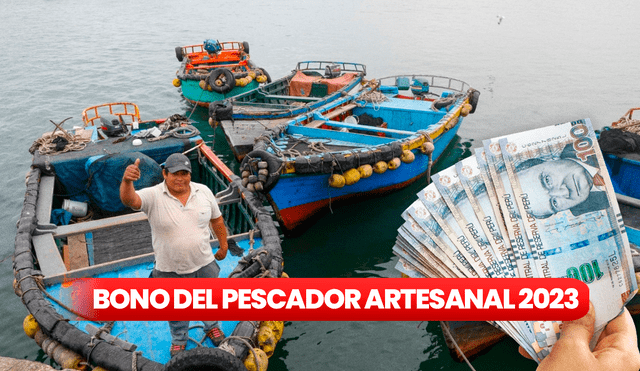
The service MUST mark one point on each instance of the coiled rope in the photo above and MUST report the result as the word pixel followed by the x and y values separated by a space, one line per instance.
pixel 49 143
pixel 373 96
pixel 627 124
pixel 181 132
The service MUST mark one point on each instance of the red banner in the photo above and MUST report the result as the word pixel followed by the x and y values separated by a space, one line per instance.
pixel 328 299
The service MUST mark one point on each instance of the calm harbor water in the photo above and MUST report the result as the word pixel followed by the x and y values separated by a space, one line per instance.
pixel 546 62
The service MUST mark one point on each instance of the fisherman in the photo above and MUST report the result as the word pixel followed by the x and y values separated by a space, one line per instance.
pixel 180 213
pixel 616 349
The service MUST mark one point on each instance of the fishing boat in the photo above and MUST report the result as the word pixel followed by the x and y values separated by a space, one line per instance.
pixel 376 141
pixel 622 158
pixel 73 226
pixel 309 86
pixel 214 71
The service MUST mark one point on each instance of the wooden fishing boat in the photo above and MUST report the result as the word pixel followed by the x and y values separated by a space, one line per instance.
pixel 214 71
pixel 309 86
pixel 473 338
pixel 100 238
pixel 376 141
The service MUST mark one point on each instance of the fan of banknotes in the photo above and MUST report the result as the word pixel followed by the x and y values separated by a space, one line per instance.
pixel 534 204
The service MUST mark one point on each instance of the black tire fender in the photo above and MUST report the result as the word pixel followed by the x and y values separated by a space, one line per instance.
pixel 179 54
pixel 443 102
pixel 473 100
pixel 221 110
pixel 245 47
pixel 205 359
pixel 229 80
pixel 273 162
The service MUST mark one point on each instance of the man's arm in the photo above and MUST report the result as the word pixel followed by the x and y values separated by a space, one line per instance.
pixel 219 229
pixel 128 194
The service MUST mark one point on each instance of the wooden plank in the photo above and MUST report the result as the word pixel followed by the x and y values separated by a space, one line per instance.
pixel 78 257
pixel 94 225
pixel 48 255
pixel 89 239
pixel 339 111
pixel 45 199
pixel 315 124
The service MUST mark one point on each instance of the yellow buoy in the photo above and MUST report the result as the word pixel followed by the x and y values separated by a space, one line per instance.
pixel 252 74
pixel 261 79
pixel 365 171
pixel 276 328
pixel 203 85
pixel 284 275
pixel 336 181
pixel 267 340
pixel 177 82
pixel 261 364
pixel 351 176
pixel 63 356
pixel 394 163
pixel 407 156
pixel 465 110
pixel 380 167
pixel 427 148
pixel 30 326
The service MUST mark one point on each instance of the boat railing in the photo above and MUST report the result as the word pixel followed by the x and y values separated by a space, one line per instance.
pixel 438 82
pixel 322 65
pixel 121 109
pixel 199 48
pixel 219 178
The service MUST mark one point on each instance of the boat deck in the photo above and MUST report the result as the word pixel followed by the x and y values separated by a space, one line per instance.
pixel 241 134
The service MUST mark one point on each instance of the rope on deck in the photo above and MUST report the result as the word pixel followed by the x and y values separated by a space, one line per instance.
pixel 628 124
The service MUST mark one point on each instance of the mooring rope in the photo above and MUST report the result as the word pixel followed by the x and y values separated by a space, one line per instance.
pixel 455 344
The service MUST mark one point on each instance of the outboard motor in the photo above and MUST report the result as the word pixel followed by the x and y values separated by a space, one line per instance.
pixel 332 70
pixel 112 126
pixel 212 46
pixel 420 86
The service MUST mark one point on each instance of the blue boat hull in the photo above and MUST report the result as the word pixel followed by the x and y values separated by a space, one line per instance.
pixel 297 198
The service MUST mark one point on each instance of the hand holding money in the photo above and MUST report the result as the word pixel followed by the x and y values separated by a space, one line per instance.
pixel 616 349
pixel 537 204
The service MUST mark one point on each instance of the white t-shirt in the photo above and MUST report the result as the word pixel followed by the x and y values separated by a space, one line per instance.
pixel 180 233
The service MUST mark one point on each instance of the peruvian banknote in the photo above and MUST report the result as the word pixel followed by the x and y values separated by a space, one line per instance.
pixel 483 200
pixel 571 218
pixel 453 193
pixel 440 212
pixel 511 216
